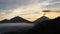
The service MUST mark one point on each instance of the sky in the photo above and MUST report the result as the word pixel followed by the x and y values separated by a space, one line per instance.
pixel 28 9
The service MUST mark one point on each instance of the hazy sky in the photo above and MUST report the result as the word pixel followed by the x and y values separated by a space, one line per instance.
pixel 27 9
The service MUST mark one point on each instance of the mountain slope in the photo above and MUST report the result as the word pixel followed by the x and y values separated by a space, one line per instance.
pixel 4 21
pixel 41 19
pixel 47 27
pixel 16 19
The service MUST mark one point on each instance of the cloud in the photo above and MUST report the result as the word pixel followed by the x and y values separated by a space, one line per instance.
pixel 25 11
pixel 12 4
pixel 51 4
pixel 7 6
pixel 26 8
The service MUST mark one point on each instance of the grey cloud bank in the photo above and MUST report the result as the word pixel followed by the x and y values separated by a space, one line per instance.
pixel 7 6
pixel 12 4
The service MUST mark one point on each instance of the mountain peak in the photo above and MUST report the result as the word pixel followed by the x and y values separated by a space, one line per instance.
pixel 19 19
pixel 16 19
pixel 43 18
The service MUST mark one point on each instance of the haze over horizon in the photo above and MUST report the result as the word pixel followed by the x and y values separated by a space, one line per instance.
pixel 28 9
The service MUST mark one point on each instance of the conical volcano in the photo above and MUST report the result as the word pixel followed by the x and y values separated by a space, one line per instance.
pixel 41 19
pixel 18 19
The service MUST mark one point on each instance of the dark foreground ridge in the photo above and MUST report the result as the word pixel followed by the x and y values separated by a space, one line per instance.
pixel 16 19
pixel 50 27
pixel 46 27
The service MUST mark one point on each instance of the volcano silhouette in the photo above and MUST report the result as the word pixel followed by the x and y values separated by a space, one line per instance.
pixel 16 19
pixel 41 19
pixel 48 27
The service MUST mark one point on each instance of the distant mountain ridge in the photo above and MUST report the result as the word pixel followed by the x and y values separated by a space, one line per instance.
pixel 41 19
pixel 16 19
pixel 19 19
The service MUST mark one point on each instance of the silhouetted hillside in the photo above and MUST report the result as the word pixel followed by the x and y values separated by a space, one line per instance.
pixel 56 20
pixel 46 27
pixel 16 19
pixel 4 21
pixel 41 19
